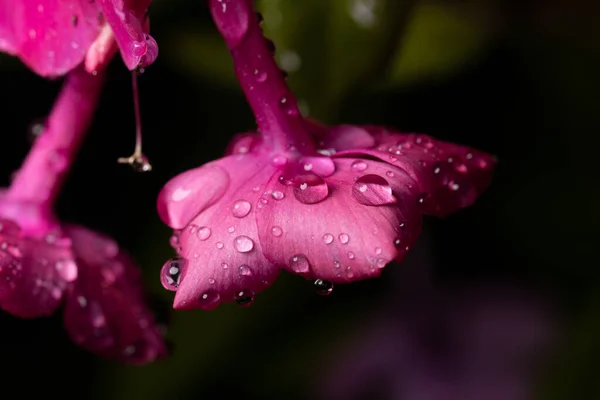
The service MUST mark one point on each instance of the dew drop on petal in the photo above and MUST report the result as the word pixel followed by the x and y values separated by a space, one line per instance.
pixel 67 269
pixel 203 233
pixel 323 287
pixel 224 265
pixel 171 272
pixel 344 238
pixel 310 189
pixel 276 231
pixel 277 195
pixel 231 229
pixel 244 270
pixel 390 174
pixel 243 244
pixel 244 298
pixel 209 299
pixel 373 190
pixel 260 76
pixel 351 255
pixel 358 166
pixel 241 208
pixel 220 245
pixel 299 264
pixel 328 238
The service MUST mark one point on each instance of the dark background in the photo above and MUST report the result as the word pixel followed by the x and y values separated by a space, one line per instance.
pixel 517 79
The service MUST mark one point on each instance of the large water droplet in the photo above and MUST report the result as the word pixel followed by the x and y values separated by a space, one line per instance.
pixel 328 238
pixel 243 244
pixel 299 264
pixel 373 190
pixel 244 270
pixel 171 272
pixel 310 189
pixel 323 288
pixel 344 238
pixel 204 233
pixel 359 166
pixel 244 297
pixel 322 166
pixel 241 208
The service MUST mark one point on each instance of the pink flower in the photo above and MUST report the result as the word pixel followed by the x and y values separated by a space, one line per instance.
pixel 44 263
pixel 52 37
pixel 330 204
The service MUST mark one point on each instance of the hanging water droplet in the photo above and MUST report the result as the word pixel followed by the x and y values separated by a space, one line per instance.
pixel 359 166
pixel 277 195
pixel 310 189
pixel 323 287
pixel 209 299
pixel 204 233
pixel 344 238
pixel 244 297
pixel 241 208
pixel 243 244
pixel 328 238
pixel 373 190
pixel 276 231
pixel 299 264
pixel 171 273
pixel 244 270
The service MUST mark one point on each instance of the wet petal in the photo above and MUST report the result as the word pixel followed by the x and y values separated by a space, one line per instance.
pixel 8 40
pixel 34 273
pixel 126 19
pixel 51 36
pixel 225 260
pixel 450 176
pixel 105 311
pixel 190 193
pixel 346 236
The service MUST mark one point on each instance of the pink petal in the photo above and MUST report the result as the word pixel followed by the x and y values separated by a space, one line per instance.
pixel 105 310
pixel 52 36
pixel 126 19
pixel 8 40
pixel 450 176
pixel 190 193
pixel 34 273
pixel 346 236
pixel 224 259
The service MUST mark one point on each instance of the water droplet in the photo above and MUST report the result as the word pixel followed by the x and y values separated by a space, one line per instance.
pixel 220 245
pixel 344 238
pixel 351 255
pixel 231 229
pixel 171 273
pixel 359 166
pixel 453 186
pixel 241 208
pixel 299 264
pixel 209 299
pixel 323 287
pixel 244 298
pixel 67 269
pixel 421 198
pixel 277 195
pixel 310 189
pixel 243 244
pixel 211 281
pixel 244 270
pixel 224 265
pixel 276 231
pixel 349 272
pixel 279 160
pixel 174 239
pixel 36 129
pixel 373 190
pixel 192 229
pixel 328 238
pixel 381 263
pixel 436 170
pixel 204 233
pixel 390 174
pixel 321 166
pixel 260 76
pixel 378 250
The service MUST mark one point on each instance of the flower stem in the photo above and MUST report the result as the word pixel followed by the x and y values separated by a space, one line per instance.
pixel 43 172
pixel 272 102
